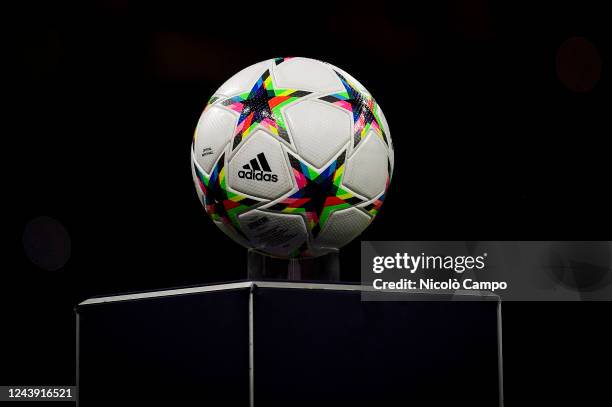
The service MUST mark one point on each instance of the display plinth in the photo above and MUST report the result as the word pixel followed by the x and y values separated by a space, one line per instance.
pixel 286 344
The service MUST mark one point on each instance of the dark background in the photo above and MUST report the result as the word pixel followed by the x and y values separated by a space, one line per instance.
pixel 499 131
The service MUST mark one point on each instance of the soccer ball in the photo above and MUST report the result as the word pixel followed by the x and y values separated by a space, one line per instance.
pixel 292 157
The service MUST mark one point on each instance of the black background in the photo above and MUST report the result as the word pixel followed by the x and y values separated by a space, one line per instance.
pixel 489 145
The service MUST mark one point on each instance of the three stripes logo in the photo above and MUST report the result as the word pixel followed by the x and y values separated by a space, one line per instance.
pixel 258 169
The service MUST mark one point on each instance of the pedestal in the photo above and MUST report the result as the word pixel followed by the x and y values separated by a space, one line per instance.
pixel 261 266
pixel 260 343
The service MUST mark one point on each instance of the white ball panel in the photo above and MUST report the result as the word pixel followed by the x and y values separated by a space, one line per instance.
pixel 248 154
pixel 195 180
pixel 215 128
pixel 366 169
pixel 276 233
pixel 244 80
pixel 319 130
pixel 306 74
pixel 342 227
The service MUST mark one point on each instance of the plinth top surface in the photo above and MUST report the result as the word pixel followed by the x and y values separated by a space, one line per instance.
pixel 264 284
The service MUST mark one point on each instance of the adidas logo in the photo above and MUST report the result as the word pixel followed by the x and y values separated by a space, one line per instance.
pixel 258 169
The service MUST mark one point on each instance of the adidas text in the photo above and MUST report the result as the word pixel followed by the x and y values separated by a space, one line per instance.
pixel 258 175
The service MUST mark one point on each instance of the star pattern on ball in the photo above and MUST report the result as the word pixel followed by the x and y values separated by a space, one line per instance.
pixel 221 203
pixel 301 250
pixel 211 102
pixel 319 194
pixel 363 107
pixel 262 106
pixel 280 60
